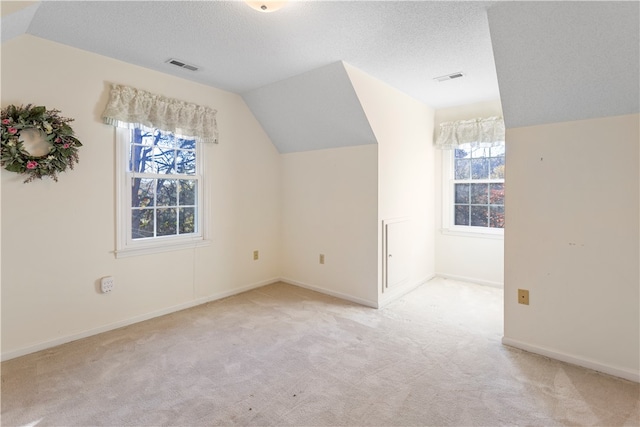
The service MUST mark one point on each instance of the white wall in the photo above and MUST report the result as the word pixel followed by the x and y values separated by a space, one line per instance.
pixel 58 238
pixel 329 207
pixel 403 128
pixel 483 257
pixel 573 240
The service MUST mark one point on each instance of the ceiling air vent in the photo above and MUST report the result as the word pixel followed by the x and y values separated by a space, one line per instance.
pixel 182 65
pixel 449 77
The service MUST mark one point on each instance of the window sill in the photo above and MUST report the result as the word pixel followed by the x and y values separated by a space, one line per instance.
pixel 482 234
pixel 166 247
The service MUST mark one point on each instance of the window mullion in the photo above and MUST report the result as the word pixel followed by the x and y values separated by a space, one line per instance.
pixel 472 209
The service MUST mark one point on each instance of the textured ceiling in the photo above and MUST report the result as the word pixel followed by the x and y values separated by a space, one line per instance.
pixel 312 111
pixel 556 60
pixel 403 43
pixel 563 61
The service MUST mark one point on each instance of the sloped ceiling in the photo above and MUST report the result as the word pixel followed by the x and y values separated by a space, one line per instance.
pixel 314 110
pixel 22 13
pixel 402 43
pixel 563 61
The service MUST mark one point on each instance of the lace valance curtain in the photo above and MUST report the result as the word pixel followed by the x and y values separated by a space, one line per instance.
pixel 130 107
pixel 477 132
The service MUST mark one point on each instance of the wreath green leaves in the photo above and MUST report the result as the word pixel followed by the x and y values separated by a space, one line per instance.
pixel 54 129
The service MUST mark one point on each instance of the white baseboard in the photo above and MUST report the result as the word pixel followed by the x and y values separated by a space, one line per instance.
pixel 130 321
pixel 627 374
pixel 471 280
pixel 340 295
pixel 391 295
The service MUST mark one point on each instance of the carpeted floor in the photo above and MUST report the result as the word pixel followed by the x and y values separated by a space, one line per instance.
pixel 282 355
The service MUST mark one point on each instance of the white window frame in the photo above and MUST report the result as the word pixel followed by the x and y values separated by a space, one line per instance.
pixel 125 245
pixel 448 197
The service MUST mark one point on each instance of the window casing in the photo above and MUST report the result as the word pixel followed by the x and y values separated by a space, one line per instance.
pixel 473 194
pixel 160 188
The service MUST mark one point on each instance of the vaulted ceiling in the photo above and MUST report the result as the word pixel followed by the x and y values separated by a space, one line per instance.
pixel 555 61
pixel 405 44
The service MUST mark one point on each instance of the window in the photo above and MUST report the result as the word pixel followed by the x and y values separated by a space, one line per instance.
pixel 160 191
pixel 476 190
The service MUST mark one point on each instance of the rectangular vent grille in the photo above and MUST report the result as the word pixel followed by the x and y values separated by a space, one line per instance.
pixel 182 65
pixel 449 77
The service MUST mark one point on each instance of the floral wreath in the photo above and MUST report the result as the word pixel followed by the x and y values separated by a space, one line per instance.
pixel 63 151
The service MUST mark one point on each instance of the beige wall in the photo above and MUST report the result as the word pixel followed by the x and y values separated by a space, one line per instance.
pixel 58 238
pixel 329 207
pixel 334 201
pixel 572 240
pixel 475 258
pixel 403 128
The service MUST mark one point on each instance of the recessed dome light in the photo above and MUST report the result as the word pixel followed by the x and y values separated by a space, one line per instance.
pixel 266 5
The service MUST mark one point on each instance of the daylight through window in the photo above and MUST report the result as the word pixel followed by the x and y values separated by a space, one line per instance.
pixel 164 184
pixel 478 186
pixel 160 192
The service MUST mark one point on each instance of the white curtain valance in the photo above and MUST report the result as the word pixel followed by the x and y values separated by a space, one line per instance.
pixel 129 107
pixel 477 132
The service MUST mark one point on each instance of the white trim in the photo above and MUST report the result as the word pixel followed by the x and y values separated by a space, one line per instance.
pixel 466 232
pixel 130 321
pixel 447 220
pixel 625 373
pixel 397 293
pixel 125 246
pixel 471 280
pixel 154 249
pixel 340 295
pixel 385 251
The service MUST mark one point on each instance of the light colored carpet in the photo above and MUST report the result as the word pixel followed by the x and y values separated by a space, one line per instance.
pixel 282 355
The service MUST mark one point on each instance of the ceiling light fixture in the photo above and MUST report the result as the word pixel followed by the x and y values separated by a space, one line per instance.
pixel 266 5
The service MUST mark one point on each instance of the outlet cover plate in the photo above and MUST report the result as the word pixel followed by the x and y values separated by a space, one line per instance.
pixel 107 284
pixel 523 296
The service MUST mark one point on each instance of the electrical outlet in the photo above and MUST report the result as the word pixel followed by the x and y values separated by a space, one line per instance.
pixel 523 296
pixel 256 255
pixel 321 258
pixel 107 284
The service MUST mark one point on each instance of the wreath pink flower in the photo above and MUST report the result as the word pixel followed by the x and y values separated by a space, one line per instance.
pixel 63 150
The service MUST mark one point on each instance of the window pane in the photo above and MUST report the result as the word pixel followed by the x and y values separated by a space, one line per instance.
pixel 480 152
pixel 186 162
pixel 165 140
pixel 162 202
pixel 462 193
pixel 141 158
pixel 497 151
pixel 479 194
pixel 496 194
pixel 462 215
pixel 477 202
pixel 496 218
pixel 144 138
pixel 479 216
pixel 187 220
pixel 479 168
pixel 463 169
pixel 141 223
pixel 164 160
pixel 142 192
pixel 462 153
pixel 166 222
pixel 188 189
pixel 167 192
pixel 497 168
pixel 186 144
